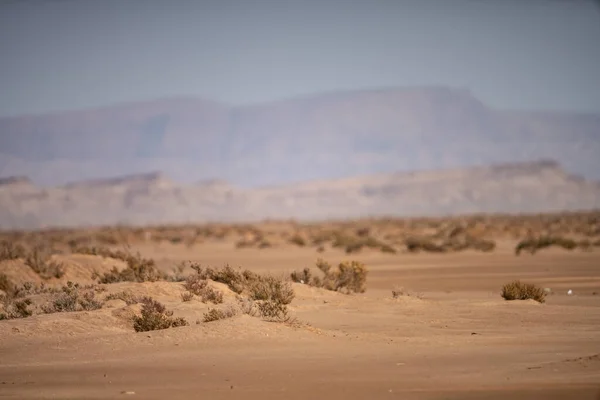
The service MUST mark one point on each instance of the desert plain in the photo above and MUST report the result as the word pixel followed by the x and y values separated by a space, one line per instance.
pixel 427 321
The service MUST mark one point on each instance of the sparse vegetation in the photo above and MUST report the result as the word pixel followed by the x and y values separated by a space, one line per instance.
pixel 11 251
pixel 516 290
pixel 349 277
pixel 73 298
pixel 298 240
pixel 155 316
pixel 532 245
pixel 15 308
pixel 38 259
pixel 197 285
pixel 126 296
pixel 215 314
pixel 139 269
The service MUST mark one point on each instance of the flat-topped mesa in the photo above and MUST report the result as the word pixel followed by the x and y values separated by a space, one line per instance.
pixel 155 179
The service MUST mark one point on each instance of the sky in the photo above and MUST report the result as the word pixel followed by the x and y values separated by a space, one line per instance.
pixel 513 54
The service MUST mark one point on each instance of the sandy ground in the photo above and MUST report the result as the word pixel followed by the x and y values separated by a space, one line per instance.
pixel 451 337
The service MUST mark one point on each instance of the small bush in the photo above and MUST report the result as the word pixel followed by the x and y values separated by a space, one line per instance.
pixel 349 277
pixel 301 277
pixel 128 297
pixel 73 298
pixel 534 244
pixel 236 280
pixel 270 288
pixel 415 245
pixel 298 240
pixel 198 285
pixel 39 261
pixel 138 269
pixel 215 314
pixel 523 291
pixel 11 251
pixel 16 308
pixel 274 311
pixel 5 284
pixel 187 296
pixel 155 316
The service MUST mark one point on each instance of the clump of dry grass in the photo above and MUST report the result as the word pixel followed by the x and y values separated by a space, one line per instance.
pixel 516 290
pixel 197 285
pixel 303 276
pixel 532 245
pixel 271 289
pixel 216 314
pixel 263 295
pixel 257 287
pixel 298 240
pixel 354 244
pixel 15 308
pixel 139 269
pixel 155 316
pixel 128 297
pixel 73 298
pixel 417 244
pixel 349 277
pixel 5 284
pixel 187 296
pixel 11 251
pixel 38 259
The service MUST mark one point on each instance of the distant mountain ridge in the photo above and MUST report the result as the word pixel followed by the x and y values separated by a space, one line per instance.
pixel 322 136
pixel 539 186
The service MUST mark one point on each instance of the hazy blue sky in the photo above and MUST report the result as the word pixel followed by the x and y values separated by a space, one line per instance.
pixel 63 54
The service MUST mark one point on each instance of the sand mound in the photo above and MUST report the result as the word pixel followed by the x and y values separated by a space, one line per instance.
pixel 18 273
pixel 80 268
pixel 66 324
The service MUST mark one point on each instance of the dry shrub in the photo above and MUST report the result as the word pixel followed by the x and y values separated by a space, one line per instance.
pixel 73 298
pixel 349 277
pixel 196 284
pixel 532 245
pixel 516 290
pixel 415 245
pixel 353 244
pixel 271 289
pixel 155 316
pixel 6 285
pixel 14 308
pixel 39 261
pixel 236 280
pixel 243 243
pixel 139 269
pixel 301 277
pixel 11 251
pixel 187 296
pixel 258 287
pixel 128 297
pixel 297 240
pixel 215 314
pixel 274 311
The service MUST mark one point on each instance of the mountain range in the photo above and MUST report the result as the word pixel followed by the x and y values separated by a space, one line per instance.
pixel 323 136
pixel 153 198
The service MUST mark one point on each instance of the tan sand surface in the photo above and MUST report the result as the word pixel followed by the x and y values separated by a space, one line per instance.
pixel 450 336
